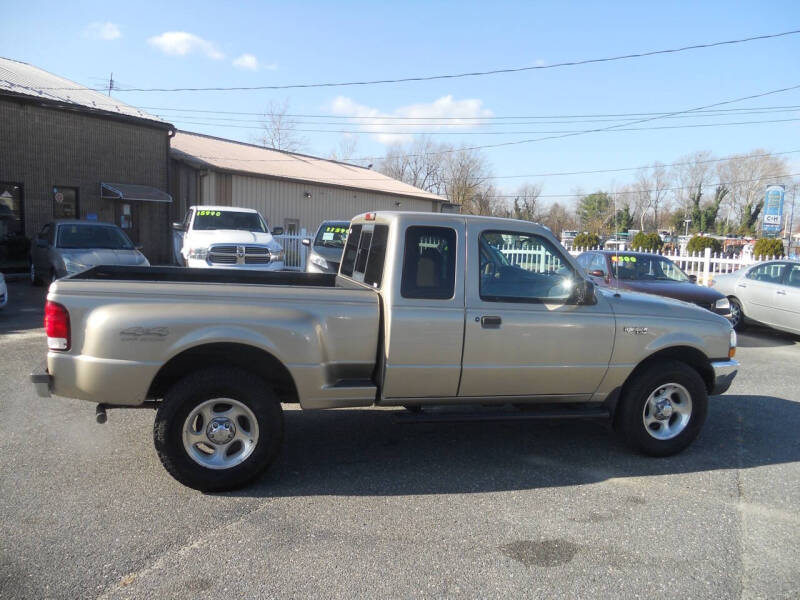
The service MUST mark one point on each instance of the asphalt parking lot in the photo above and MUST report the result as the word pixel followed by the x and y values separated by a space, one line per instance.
pixel 358 506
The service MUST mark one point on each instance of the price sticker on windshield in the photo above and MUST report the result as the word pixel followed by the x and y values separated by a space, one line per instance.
pixel 208 213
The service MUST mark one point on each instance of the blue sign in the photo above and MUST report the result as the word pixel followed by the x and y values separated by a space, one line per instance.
pixel 773 209
pixel 91 217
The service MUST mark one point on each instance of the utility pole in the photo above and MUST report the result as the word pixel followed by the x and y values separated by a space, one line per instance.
pixel 791 221
pixel 110 83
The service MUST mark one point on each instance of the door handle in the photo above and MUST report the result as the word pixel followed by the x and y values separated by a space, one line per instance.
pixel 781 292
pixel 741 285
pixel 490 322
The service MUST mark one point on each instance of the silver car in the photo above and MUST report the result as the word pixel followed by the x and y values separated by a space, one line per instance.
pixel 767 293
pixel 65 247
pixel 325 250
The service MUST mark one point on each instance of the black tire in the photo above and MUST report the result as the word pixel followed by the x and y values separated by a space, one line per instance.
pixel 196 388
pixel 636 394
pixel 36 281
pixel 737 314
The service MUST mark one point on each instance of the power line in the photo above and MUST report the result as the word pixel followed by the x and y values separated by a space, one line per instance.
pixel 439 132
pixel 459 122
pixel 456 75
pixel 789 108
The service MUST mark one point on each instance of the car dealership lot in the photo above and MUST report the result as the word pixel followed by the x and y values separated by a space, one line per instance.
pixel 359 506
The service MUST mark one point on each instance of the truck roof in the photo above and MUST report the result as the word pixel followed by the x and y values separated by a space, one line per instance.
pixel 402 216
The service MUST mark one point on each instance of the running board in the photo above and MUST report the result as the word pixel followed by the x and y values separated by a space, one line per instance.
pixel 437 415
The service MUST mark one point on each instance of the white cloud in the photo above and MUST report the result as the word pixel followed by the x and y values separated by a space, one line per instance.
pixel 454 114
pixel 246 62
pixel 103 31
pixel 181 43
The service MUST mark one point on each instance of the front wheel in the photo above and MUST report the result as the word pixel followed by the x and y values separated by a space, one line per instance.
pixel 663 408
pixel 218 429
pixel 737 314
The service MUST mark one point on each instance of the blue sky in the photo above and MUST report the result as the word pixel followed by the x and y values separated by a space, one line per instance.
pixel 302 42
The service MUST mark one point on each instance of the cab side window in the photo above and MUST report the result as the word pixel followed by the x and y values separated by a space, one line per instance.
pixel 599 264
pixel 522 267
pixel 429 263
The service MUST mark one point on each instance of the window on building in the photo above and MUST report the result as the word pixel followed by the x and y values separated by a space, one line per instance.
pixel 65 203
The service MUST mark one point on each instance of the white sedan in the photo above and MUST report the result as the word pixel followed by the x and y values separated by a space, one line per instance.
pixel 767 293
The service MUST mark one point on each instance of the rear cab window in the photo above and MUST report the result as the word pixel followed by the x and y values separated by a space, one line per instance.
pixel 365 254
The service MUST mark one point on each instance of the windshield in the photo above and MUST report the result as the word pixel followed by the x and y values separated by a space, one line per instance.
pixel 332 234
pixel 92 236
pixel 207 220
pixel 646 268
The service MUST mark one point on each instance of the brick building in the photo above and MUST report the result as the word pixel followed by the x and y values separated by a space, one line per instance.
pixel 67 151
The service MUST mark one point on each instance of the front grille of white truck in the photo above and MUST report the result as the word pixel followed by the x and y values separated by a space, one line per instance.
pixel 227 254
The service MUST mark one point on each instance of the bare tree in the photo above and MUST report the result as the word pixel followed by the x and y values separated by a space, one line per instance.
pixel 465 181
pixel 746 177
pixel 526 202
pixel 421 164
pixel 347 151
pixel 650 192
pixel 279 129
pixel 692 176
pixel 558 218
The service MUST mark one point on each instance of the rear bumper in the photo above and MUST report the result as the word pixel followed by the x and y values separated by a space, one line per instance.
pixel 724 372
pixel 42 381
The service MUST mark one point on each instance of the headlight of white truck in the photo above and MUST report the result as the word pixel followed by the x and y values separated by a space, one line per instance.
pixel 198 253
pixel 722 304
pixel 319 261
pixel 277 255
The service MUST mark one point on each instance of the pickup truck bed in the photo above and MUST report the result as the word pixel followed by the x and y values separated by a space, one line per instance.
pixel 184 275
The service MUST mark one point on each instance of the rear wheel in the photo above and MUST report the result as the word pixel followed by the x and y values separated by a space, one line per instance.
pixel 218 429
pixel 663 408
pixel 737 314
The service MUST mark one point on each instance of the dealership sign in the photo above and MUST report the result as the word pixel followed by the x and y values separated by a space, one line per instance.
pixel 773 209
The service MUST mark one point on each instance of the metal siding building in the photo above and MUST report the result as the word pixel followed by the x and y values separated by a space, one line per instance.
pixel 290 190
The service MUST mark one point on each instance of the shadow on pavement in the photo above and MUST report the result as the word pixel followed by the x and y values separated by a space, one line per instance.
pixel 763 337
pixel 363 453
pixel 25 308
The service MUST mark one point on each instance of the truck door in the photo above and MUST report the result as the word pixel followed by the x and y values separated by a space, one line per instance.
pixel 524 337
pixel 425 317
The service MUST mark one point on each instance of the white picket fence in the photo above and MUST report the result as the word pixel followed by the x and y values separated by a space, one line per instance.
pixel 292 244
pixel 702 264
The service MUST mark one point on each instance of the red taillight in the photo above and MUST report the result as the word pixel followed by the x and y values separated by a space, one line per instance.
pixel 56 326
pixel 370 216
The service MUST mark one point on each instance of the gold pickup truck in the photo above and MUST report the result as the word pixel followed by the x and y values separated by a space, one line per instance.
pixel 428 312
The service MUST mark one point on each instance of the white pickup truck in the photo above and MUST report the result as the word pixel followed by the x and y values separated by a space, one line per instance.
pixel 427 311
pixel 227 237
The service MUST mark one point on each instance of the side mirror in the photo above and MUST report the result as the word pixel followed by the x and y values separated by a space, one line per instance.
pixel 41 243
pixel 597 273
pixel 584 292
pixel 306 241
pixel 139 248
pixel 277 231
pixel 177 226
pixel 693 278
